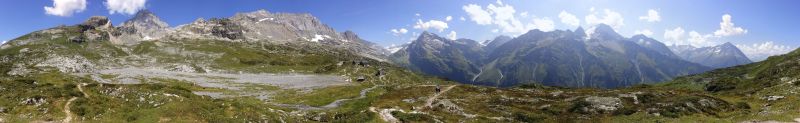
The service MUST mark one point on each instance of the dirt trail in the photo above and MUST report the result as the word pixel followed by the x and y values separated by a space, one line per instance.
pixel 67 111
pixel 430 100
pixel 333 104
pixel 80 88
pixel 68 118
pixel 385 114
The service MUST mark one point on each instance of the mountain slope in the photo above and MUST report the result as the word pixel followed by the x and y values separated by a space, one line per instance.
pixel 496 42
pixel 654 45
pixel 720 56
pixel 452 59
pixel 563 58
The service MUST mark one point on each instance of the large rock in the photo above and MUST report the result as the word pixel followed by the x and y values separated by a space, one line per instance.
pixel 604 103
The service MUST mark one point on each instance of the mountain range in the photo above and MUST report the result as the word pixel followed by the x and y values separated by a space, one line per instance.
pixel 561 58
pixel 720 56
pixel 278 67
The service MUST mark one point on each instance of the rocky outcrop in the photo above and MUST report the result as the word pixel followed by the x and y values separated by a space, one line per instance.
pixel 144 26
pixel 606 104
pixel 71 64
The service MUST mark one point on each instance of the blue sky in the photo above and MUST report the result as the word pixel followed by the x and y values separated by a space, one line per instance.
pixel 759 27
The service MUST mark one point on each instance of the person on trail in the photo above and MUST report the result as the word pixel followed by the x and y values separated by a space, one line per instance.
pixel 438 89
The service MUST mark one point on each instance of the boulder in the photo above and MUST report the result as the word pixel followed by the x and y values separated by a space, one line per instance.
pixel 604 103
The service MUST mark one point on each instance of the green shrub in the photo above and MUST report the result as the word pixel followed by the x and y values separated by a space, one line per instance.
pixel 742 105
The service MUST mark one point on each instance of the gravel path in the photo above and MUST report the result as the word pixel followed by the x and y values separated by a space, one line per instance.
pixel 68 118
pixel 331 105
pixel 429 102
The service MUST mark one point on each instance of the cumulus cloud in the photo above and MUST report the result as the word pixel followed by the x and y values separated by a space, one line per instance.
pixel 544 24
pixel 610 18
pixel 504 17
pixel 652 16
pixel 645 32
pixel 397 32
pixel 760 51
pixel 673 36
pixel 699 40
pixel 128 7
pixel 430 24
pixel 477 14
pixel 523 14
pixel 569 19
pixel 678 36
pixel 452 35
pixel 65 7
pixel 462 18
pixel 727 28
pixel 448 18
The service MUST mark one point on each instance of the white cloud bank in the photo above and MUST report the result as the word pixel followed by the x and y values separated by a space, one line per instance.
pixel 397 32
pixel 569 19
pixel 760 51
pixel 65 8
pixel 610 18
pixel 128 7
pixel 727 28
pixel 505 18
pixel 431 24
pixel 652 16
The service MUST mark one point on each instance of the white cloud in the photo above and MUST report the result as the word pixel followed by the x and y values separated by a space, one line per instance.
pixel 523 14
pixel 125 6
pixel 3 42
pixel 698 40
pixel 417 14
pixel 495 30
pixel 544 24
pixel 477 14
pixel 645 32
pixel 569 19
pixel 611 18
pixel 65 7
pixel 674 36
pixel 727 28
pixel 452 35
pixel 677 37
pixel 462 18
pixel 448 18
pixel 652 16
pixel 500 15
pixel 397 32
pixel 431 24
pixel 760 51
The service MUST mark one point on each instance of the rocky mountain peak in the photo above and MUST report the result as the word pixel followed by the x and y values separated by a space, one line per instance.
pixel 427 35
pixel 639 36
pixel 143 26
pixel 145 19
pixel 727 45
pixel 97 21
pixel 580 32
pixel 350 35
pixel 605 32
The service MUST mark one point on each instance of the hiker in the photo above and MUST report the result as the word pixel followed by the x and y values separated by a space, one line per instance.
pixel 438 89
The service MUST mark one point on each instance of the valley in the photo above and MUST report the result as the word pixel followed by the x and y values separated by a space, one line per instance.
pixel 286 67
